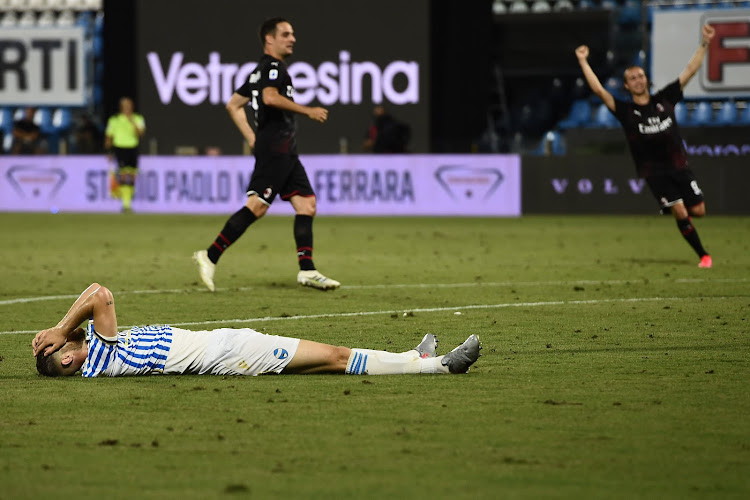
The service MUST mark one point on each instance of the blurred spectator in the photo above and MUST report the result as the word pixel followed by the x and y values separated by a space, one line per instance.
pixel 386 134
pixel 27 136
pixel 87 137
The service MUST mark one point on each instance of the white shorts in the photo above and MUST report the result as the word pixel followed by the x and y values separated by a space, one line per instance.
pixel 229 351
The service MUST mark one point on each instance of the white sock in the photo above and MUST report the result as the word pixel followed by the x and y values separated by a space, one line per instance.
pixel 369 362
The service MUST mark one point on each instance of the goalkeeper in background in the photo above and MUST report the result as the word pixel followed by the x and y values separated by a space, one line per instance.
pixel 121 140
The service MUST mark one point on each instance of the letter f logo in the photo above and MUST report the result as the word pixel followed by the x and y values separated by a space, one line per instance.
pixel 728 58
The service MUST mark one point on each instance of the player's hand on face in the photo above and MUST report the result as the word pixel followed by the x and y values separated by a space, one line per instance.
pixel 318 114
pixel 582 52
pixel 708 32
pixel 48 341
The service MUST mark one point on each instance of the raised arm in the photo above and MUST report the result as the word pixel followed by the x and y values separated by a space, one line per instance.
pixel 236 109
pixel 97 302
pixel 271 97
pixel 582 53
pixel 695 62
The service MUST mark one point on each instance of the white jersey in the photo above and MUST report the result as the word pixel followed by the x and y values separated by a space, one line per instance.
pixel 169 350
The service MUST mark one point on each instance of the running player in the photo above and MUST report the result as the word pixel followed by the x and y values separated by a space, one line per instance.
pixel 654 139
pixel 103 351
pixel 278 170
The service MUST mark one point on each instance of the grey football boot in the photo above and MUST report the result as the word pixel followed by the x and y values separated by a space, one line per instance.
pixel 462 357
pixel 428 347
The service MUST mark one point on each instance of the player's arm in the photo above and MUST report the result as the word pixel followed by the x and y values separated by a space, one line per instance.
pixel 236 109
pixel 97 302
pixel 138 125
pixel 582 53
pixel 695 62
pixel 108 137
pixel 271 97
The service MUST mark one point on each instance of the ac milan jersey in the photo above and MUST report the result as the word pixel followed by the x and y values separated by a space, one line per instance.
pixel 276 130
pixel 652 131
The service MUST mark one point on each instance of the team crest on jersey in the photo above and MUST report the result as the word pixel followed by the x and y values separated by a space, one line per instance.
pixel 267 192
pixel 636 112
pixel 279 353
pixel 273 74
pixel 659 108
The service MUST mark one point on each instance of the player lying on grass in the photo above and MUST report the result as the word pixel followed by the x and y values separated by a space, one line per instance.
pixel 102 350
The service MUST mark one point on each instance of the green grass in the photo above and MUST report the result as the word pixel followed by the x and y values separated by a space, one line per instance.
pixel 613 367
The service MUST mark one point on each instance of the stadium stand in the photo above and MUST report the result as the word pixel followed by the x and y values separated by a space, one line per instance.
pixel 56 123
pixel 727 114
pixel 66 18
pixel 743 115
pixel 681 113
pixel 604 118
pixel 518 7
pixel 540 6
pixel 702 115
pixel 579 115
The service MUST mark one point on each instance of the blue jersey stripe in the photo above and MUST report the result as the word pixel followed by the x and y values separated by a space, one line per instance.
pixel 138 351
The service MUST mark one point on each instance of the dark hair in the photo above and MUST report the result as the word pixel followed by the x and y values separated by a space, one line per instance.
pixel 269 27
pixel 47 366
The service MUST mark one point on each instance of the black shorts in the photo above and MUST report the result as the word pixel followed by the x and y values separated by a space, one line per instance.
pixel 675 186
pixel 126 157
pixel 279 174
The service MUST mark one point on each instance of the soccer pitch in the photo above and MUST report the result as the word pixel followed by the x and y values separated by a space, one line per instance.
pixel 612 366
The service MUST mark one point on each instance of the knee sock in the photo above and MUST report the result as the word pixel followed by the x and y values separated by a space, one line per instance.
pixel 369 362
pixel 233 229
pixel 303 236
pixel 691 235
pixel 126 194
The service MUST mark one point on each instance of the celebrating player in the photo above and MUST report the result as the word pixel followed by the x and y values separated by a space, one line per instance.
pixel 277 167
pixel 103 351
pixel 654 138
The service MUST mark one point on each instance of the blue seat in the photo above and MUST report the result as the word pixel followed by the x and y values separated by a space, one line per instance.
pixel 743 117
pixel 6 120
pixel 640 59
pixel 43 118
pixel 603 117
pixel 551 143
pixel 613 85
pixel 86 21
pixel 579 115
pixel 61 119
pixel 702 114
pixel 99 24
pixel 97 46
pixel 727 114
pixel 556 142
pixel 7 142
pixel 681 113
pixel 630 13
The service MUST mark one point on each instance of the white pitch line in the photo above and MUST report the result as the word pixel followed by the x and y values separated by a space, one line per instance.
pixel 25 300
pixel 421 310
